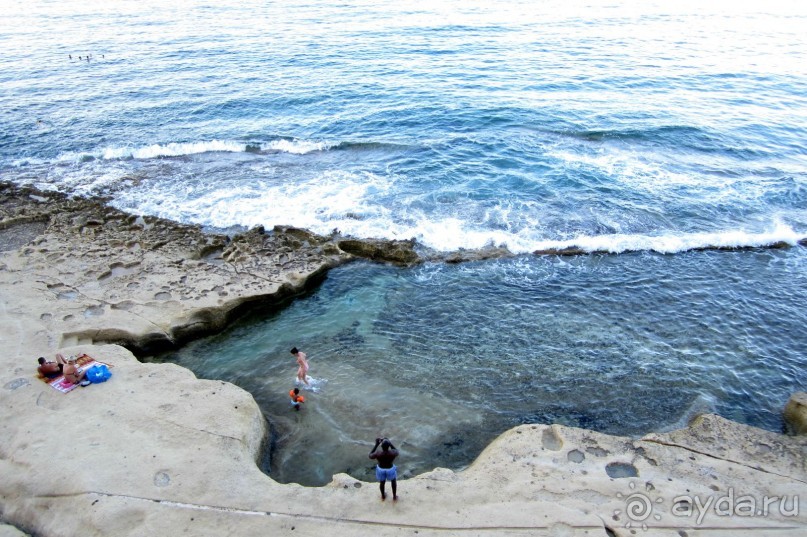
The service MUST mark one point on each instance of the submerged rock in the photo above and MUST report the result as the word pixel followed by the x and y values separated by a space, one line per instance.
pixel 795 414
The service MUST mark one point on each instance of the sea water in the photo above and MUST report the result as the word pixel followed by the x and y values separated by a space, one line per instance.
pixel 643 131
pixel 443 358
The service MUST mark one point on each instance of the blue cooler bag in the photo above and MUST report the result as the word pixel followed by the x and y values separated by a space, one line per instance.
pixel 98 373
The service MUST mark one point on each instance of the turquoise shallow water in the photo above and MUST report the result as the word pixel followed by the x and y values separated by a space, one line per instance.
pixel 444 358
pixel 649 130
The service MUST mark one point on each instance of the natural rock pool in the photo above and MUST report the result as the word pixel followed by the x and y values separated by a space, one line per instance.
pixel 442 358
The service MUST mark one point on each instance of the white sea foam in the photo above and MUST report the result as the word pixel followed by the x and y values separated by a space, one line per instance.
pixel 297 147
pixel 674 243
pixel 641 171
pixel 354 204
pixel 366 205
pixel 336 199
pixel 452 234
pixel 179 149
pixel 172 149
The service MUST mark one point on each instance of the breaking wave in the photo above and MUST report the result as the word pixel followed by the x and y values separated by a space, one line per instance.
pixel 181 149
pixel 782 235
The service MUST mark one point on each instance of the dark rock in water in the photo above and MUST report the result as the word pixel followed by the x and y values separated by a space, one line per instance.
pixel 398 252
pixel 349 338
pixel 574 250
pixel 795 414
pixel 561 251
pixel 491 252
pixel 570 417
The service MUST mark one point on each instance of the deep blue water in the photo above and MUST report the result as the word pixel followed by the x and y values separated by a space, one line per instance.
pixel 645 129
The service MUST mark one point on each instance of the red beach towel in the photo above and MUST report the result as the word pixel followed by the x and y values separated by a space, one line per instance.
pixel 83 363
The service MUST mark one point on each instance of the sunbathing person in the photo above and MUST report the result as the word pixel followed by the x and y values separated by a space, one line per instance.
pixel 71 372
pixel 51 370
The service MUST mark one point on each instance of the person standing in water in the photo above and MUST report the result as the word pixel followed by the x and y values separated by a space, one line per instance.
pixel 385 469
pixel 302 365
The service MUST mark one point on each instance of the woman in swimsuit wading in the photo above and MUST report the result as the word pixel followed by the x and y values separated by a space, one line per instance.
pixel 302 365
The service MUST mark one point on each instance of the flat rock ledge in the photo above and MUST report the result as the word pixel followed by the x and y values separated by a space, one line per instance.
pixel 155 451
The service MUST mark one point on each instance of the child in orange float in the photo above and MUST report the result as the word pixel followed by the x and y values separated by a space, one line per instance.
pixel 296 398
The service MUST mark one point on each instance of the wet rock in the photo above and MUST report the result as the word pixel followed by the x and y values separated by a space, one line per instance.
pixel 572 250
pixel 398 252
pixel 551 440
pixel 162 270
pixel 795 413
pixel 490 252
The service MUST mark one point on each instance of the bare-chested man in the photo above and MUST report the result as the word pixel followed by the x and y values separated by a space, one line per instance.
pixel 302 365
pixel 385 469
pixel 51 370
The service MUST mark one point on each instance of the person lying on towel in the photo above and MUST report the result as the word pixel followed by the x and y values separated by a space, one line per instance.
pixel 71 372
pixel 50 370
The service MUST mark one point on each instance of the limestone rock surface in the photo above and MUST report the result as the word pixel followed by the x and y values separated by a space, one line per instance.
pixel 155 451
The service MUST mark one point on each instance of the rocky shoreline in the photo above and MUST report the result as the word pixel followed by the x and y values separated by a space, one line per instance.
pixel 156 451
pixel 127 269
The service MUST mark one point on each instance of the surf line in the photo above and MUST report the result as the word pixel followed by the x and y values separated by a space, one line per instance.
pixel 577 250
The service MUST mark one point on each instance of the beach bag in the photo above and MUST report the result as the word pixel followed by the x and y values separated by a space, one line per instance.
pixel 99 373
